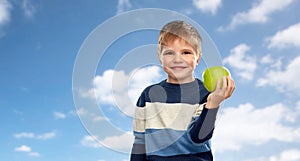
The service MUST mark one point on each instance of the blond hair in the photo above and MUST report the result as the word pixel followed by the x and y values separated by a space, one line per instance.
pixel 182 30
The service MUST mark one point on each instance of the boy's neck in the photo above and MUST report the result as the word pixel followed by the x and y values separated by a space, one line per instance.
pixel 176 81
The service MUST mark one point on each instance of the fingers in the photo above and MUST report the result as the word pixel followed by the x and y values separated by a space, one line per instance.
pixel 221 93
pixel 224 84
pixel 227 87
pixel 224 80
pixel 230 87
pixel 218 85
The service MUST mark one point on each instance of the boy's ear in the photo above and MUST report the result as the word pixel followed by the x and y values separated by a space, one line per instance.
pixel 198 59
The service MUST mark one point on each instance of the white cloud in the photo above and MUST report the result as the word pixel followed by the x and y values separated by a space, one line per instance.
pixel 244 125
pixel 5 8
pixel 116 88
pixel 140 78
pixel 84 112
pixel 28 8
pixel 34 154
pixel 243 64
pixel 30 135
pixel 208 6
pixel 59 115
pixel 17 112
pixel 23 148
pixel 267 59
pixel 121 142
pixel 27 149
pixel 119 89
pixel 63 115
pixel 287 155
pixel 187 11
pixel 284 80
pixel 259 13
pixel 271 63
pixel 90 141
pixel 285 38
pixel 46 136
pixel 123 5
pixel 110 83
pixel 5 11
pixel 24 135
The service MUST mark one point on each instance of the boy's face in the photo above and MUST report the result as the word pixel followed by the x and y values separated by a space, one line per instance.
pixel 179 60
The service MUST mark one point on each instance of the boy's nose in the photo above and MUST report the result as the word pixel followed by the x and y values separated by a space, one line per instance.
pixel 178 57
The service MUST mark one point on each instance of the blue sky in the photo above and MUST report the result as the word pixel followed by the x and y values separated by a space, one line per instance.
pixel 40 43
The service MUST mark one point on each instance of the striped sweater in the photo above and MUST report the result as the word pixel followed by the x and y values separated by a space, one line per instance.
pixel 171 123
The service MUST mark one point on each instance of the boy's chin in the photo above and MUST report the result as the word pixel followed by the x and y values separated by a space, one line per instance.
pixel 180 79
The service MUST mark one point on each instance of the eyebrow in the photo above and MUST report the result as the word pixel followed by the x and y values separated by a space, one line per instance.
pixel 184 49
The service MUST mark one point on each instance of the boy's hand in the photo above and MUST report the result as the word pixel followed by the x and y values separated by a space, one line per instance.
pixel 220 94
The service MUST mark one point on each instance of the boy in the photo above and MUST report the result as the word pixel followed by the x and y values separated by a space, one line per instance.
pixel 174 119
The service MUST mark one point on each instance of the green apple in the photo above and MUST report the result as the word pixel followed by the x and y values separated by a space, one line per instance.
pixel 211 75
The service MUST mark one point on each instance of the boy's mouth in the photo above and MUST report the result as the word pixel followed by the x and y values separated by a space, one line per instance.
pixel 178 67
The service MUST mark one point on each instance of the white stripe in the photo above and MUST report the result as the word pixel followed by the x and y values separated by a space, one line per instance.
pixel 176 116
pixel 139 119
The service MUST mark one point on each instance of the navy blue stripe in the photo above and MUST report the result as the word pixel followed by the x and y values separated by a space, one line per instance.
pixel 202 129
pixel 205 156
pixel 191 93
pixel 138 157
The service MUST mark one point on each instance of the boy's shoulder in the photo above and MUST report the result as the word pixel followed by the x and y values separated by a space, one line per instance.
pixel 155 85
pixel 147 92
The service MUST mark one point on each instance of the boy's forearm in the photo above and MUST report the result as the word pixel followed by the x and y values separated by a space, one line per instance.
pixel 202 130
pixel 138 157
pixel 138 153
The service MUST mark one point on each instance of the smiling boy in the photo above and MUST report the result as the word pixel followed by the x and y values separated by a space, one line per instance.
pixel 174 119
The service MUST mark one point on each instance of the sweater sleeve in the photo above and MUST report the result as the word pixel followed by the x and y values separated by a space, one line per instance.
pixel 202 128
pixel 138 152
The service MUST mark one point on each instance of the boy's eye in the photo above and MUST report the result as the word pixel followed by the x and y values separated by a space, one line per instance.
pixel 169 53
pixel 186 53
